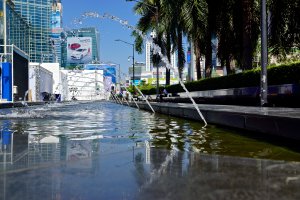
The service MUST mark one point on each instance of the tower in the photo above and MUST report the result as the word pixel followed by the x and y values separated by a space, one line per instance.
pixel 37 13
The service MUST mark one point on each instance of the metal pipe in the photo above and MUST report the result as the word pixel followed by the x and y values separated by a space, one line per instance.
pixel 145 99
pixel 132 98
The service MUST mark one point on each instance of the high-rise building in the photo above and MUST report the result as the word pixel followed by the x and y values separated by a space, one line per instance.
pixel 16 31
pixel 162 67
pixel 149 63
pixel 56 30
pixel 14 50
pixel 148 56
pixel 81 47
pixel 38 15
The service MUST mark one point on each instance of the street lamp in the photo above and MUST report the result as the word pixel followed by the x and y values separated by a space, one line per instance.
pixel 156 19
pixel 118 40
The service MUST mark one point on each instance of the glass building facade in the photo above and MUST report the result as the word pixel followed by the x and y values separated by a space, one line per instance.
pixel 17 28
pixel 56 29
pixel 38 14
pixel 90 32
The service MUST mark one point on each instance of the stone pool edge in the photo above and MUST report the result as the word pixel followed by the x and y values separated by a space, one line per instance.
pixel 285 124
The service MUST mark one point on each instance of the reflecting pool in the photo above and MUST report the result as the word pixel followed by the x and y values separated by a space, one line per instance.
pixel 102 150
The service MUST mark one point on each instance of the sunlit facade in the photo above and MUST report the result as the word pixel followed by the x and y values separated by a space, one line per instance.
pixel 38 14
pixel 56 30
pixel 17 29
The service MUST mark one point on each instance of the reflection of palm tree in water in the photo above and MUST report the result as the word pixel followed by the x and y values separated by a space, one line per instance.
pixel 160 159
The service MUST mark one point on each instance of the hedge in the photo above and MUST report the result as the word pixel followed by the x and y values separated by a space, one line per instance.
pixel 281 74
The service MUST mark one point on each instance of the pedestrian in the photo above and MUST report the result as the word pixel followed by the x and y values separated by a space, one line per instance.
pixel 161 95
pixel 165 92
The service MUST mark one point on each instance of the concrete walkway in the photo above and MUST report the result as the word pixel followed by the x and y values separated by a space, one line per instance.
pixel 283 122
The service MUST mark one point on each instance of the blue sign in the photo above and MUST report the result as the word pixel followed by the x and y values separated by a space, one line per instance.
pixel 136 82
pixel 188 56
pixel 6 133
pixel 7 81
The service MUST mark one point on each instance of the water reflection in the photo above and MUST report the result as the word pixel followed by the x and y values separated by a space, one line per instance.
pixel 108 151
pixel 169 175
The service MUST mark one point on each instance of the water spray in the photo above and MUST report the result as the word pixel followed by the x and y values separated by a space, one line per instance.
pixel 156 49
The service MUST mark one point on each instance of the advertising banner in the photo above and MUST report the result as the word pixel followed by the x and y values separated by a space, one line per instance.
pixel 56 24
pixel 79 50
pixel 107 84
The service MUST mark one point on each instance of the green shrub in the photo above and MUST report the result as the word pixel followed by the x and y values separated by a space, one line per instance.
pixel 282 74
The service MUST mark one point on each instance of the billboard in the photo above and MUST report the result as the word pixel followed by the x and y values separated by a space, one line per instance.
pixel 107 83
pixel 79 50
pixel 56 24
pixel 108 70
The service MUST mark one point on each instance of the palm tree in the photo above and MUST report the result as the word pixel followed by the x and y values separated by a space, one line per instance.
pixel 148 23
pixel 209 33
pixel 169 28
pixel 250 31
pixel 284 25
pixel 171 12
pixel 225 33
pixel 194 15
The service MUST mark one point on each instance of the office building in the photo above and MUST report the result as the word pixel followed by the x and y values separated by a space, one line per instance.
pixel 14 52
pixel 56 30
pixel 38 14
pixel 162 67
pixel 17 29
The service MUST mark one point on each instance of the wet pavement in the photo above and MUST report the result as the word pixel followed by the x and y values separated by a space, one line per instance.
pixel 107 151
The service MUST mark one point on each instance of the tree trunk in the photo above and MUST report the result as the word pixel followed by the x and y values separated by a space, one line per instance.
pixel 208 59
pixel 168 48
pixel 247 48
pixel 168 74
pixel 228 68
pixel 211 29
pixel 181 55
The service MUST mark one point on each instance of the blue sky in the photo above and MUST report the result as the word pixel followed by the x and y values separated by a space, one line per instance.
pixel 110 50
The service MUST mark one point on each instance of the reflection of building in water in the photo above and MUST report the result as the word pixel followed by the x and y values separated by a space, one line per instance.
pixel 23 151
pixel 14 147
pixel 79 151
pixel 43 149
pixel 148 152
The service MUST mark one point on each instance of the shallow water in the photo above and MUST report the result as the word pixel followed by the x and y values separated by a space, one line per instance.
pixel 103 150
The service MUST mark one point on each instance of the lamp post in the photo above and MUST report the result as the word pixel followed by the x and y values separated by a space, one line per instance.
pixel 264 56
pixel 156 19
pixel 118 40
